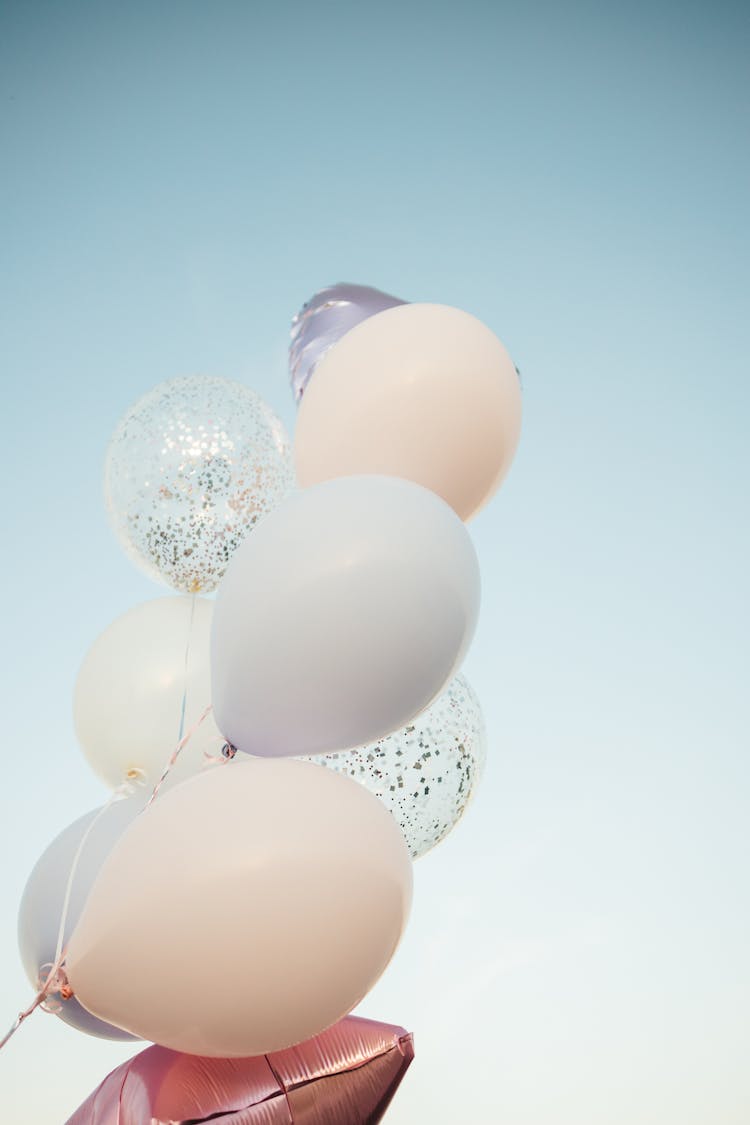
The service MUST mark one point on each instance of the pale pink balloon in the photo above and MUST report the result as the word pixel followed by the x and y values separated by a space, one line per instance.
pixel 345 1076
pixel 245 911
pixel 424 392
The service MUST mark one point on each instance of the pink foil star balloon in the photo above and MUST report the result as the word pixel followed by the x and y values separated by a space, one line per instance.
pixel 345 1076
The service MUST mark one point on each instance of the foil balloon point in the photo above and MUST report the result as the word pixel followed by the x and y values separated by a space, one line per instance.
pixel 345 1076
pixel 323 320
pixel 190 470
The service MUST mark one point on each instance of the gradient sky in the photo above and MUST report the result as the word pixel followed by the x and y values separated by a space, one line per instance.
pixel 177 178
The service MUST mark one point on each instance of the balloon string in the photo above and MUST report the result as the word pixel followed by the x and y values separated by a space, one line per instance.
pixel 124 790
pixel 183 707
pixel 38 999
pixel 56 980
pixel 182 738
pixel 175 755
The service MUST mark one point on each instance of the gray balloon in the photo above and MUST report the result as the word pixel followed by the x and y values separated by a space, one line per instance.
pixel 323 320
pixel 42 901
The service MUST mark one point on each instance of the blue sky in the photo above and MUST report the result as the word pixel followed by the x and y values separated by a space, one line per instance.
pixel 177 180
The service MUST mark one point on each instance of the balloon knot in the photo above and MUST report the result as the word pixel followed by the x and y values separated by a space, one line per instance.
pixel 54 985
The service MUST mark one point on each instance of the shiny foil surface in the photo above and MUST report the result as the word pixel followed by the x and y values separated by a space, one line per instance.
pixel 347 1075
pixel 323 320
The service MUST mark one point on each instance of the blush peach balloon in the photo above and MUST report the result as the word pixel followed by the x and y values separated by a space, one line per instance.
pixel 246 910
pixel 421 391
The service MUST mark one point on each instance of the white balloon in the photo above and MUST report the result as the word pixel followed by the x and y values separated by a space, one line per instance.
pixel 245 911
pixel 342 616
pixel 129 692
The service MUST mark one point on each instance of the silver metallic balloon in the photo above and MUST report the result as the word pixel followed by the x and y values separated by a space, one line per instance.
pixel 190 469
pixel 426 772
pixel 42 903
pixel 323 320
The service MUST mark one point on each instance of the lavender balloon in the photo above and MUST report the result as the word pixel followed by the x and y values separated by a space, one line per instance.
pixel 43 899
pixel 323 320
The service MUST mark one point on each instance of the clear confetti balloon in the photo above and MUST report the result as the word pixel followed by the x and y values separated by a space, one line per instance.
pixel 190 470
pixel 426 772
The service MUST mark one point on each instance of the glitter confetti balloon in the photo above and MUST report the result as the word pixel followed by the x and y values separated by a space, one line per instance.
pixel 190 470
pixel 426 772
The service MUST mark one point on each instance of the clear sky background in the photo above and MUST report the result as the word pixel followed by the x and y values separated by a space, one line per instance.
pixel 177 178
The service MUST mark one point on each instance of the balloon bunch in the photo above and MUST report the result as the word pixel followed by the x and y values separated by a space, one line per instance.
pixel 236 916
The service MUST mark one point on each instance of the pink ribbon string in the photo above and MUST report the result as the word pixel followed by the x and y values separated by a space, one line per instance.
pixel 182 737
pixel 222 759
pixel 175 755
pixel 56 982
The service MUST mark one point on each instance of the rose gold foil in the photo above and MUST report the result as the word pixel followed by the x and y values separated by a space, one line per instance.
pixel 345 1076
